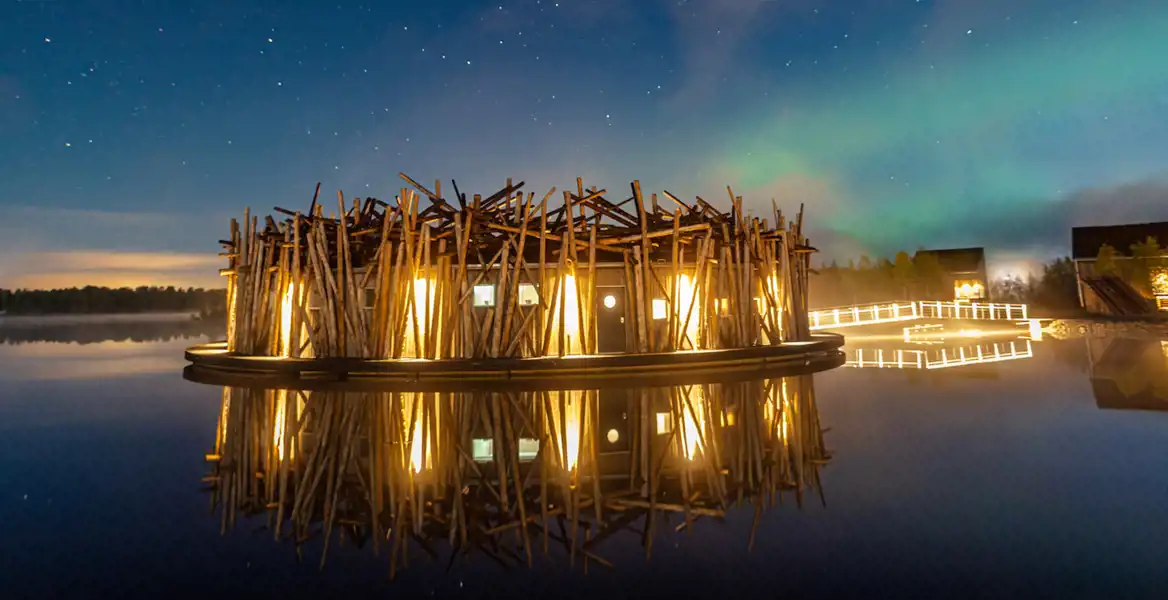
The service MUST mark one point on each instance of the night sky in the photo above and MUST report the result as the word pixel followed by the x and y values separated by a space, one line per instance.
pixel 130 132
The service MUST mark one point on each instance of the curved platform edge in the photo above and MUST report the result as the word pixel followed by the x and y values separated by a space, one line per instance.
pixel 211 364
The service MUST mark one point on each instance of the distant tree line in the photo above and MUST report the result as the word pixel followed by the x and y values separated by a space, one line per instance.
pixel 921 277
pixel 104 300
pixel 86 332
pixel 1056 288
pixel 916 277
pixel 1145 267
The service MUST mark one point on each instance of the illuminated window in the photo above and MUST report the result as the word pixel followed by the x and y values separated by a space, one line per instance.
pixel 484 295
pixel 528 296
pixel 968 289
pixel 664 422
pixel 1160 282
pixel 658 306
pixel 483 449
pixel 609 301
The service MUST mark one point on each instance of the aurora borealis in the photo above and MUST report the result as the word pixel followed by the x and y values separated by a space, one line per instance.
pixel 130 137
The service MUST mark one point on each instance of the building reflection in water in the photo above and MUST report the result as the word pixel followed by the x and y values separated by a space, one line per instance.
pixel 511 474
pixel 1128 373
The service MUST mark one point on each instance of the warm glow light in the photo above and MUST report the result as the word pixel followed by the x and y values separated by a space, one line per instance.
pixel 688 313
pixel 1035 330
pixel 658 308
pixel 772 288
pixel 415 342
pixel 693 423
pixel 609 301
pixel 967 289
pixel 567 411
pixel 940 358
pixel 421 443
pixel 612 436
pixel 872 314
pixel 286 321
pixel 278 423
pixel 569 299
pixel 79 268
pixel 1160 283
pixel 224 410
pixel 775 410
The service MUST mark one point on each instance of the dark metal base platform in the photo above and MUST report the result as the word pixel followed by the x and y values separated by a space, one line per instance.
pixel 212 364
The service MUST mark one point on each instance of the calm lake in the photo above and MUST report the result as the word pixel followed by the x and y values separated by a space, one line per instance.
pixel 1039 474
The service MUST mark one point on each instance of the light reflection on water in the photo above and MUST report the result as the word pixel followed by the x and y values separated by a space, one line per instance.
pixel 414 470
pixel 1001 479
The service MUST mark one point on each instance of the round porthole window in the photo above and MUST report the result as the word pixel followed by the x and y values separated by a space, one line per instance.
pixel 609 301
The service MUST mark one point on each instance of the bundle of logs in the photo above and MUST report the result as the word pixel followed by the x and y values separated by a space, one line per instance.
pixel 391 280
pixel 505 474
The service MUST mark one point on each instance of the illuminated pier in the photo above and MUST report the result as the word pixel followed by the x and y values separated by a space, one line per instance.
pixel 896 312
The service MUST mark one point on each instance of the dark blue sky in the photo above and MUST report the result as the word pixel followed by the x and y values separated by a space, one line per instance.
pixel 131 132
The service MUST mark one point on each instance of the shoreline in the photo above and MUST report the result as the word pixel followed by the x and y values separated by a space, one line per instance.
pixel 1142 328
pixel 32 320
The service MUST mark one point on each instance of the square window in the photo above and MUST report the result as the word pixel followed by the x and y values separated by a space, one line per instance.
pixel 483 449
pixel 528 448
pixel 664 422
pixel 658 306
pixel 528 295
pixel 968 289
pixel 484 295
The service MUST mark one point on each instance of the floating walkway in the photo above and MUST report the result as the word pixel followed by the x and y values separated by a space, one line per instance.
pixel 896 312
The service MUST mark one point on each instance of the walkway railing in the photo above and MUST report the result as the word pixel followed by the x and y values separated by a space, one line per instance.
pixel 940 358
pixel 893 312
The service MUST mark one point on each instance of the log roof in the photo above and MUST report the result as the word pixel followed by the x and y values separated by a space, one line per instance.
pixel 589 216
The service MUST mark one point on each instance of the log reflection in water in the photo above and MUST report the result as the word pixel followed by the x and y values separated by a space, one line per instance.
pixel 510 473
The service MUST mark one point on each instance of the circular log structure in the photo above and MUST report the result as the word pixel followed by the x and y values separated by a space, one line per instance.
pixel 508 287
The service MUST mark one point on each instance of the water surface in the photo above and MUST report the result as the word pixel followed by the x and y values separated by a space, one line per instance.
pixel 1041 476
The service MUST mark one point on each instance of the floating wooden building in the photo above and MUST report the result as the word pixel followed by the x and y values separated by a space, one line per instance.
pixel 510 474
pixel 514 275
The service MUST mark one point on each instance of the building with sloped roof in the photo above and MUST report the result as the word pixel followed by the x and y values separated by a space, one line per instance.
pixel 965 270
pixel 1117 292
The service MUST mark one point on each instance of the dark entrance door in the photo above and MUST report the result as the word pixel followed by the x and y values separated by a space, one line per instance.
pixel 610 319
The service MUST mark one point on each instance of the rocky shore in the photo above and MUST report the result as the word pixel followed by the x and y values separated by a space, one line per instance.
pixel 1074 328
